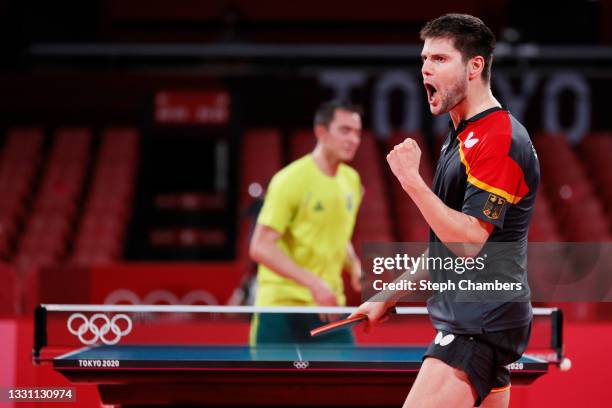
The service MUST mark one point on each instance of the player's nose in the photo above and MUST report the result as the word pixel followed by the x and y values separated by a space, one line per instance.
pixel 426 70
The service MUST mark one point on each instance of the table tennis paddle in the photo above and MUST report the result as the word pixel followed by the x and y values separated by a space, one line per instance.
pixel 338 324
pixel 344 323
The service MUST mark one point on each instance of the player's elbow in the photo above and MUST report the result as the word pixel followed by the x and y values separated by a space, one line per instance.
pixel 469 236
pixel 472 247
pixel 477 234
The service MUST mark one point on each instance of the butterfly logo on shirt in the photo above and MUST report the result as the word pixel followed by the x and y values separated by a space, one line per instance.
pixel 444 340
pixel 470 141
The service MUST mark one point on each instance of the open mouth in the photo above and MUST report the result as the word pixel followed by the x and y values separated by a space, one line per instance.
pixel 431 93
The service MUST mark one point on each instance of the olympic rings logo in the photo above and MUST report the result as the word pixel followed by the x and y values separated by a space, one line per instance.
pixel 300 365
pixel 99 326
pixel 160 296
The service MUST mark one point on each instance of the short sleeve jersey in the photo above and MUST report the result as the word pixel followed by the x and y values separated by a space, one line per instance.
pixel 488 168
pixel 315 215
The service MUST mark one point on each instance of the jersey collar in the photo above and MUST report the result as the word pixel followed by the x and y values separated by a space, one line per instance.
pixel 463 124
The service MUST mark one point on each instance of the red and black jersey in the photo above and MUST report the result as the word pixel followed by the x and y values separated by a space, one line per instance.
pixel 488 168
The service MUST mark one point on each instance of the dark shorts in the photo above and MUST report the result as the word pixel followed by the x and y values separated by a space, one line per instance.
pixel 483 357
pixel 281 328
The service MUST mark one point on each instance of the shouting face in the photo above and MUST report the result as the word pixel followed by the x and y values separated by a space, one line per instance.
pixel 444 74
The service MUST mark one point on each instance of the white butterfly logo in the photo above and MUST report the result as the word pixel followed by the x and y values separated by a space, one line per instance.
pixel 469 142
pixel 443 340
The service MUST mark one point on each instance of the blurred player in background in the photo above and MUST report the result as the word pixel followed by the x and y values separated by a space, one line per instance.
pixel 302 240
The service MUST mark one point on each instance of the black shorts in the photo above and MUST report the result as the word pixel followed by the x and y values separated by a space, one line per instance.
pixel 483 357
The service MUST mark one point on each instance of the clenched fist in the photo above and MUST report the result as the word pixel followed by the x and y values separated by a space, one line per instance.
pixel 404 162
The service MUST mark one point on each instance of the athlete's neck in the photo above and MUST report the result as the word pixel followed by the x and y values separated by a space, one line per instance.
pixel 478 99
pixel 324 161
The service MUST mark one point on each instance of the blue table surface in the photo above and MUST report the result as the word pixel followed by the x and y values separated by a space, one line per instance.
pixel 260 353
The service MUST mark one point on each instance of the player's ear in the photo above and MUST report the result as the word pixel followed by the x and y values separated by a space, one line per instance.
pixel 475 67
pixel 320 131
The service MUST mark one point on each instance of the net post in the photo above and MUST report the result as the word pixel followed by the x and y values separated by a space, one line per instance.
pixel 556 340
pixel 40 332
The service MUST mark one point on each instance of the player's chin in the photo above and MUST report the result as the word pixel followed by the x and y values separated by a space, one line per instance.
pixel 347 156
pixel 437 109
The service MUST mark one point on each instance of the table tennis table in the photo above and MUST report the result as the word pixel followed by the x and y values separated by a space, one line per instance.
pixel 271 375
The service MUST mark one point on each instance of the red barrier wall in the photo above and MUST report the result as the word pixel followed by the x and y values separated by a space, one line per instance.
pixel 155 283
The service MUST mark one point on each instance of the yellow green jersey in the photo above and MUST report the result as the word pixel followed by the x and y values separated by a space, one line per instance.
pixel 315 215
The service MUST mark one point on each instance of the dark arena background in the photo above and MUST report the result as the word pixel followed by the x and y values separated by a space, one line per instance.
pixel 137 139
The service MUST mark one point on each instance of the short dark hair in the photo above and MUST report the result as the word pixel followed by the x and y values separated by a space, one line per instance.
pixel 470 35
pixel 326 111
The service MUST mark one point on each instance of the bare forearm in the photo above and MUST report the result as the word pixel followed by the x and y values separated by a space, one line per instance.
pixel 449 225
pixel 392 297
pixel 271 256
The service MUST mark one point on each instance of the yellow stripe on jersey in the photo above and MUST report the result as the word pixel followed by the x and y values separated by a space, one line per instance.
pixel 511 198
